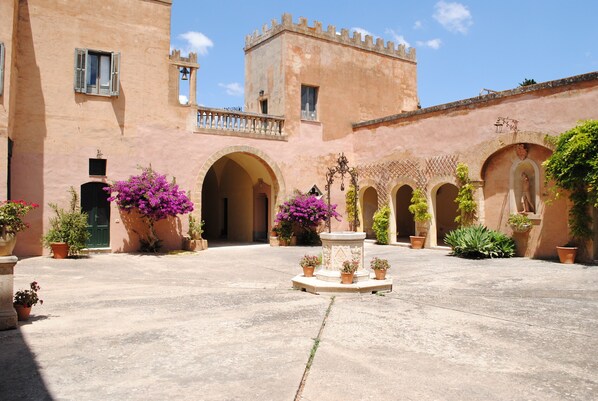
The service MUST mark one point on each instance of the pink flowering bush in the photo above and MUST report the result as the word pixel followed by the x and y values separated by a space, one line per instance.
pixel 306 212
pixel 154 198
pixel 11 215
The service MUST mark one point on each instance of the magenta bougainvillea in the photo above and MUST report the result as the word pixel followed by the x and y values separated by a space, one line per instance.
pixel 153 197
pixel 306 212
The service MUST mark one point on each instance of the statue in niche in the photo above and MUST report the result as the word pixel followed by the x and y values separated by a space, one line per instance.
pixel 526 197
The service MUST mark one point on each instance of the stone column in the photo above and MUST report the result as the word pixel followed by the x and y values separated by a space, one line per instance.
pixel 478 195
pixel 8 315
pixel 193 86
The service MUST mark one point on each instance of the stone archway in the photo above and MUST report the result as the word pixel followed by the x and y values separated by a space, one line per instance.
pixel 444 211
pixel 405 224
pixel 368 205
pixel 236 194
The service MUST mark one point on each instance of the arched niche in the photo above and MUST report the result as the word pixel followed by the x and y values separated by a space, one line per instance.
pixel 524 183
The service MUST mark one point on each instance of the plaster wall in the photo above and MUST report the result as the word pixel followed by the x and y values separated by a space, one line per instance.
pixel 56 130
pixel 549 222
pixel 469 130
pixel 426 146
pixel 353 84
pixel 8 37
pixel 264 72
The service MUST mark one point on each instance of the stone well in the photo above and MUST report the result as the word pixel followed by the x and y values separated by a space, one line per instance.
pixel 336 248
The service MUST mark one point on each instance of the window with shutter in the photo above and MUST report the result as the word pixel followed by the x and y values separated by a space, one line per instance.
pixel 97 73
pixel 309 102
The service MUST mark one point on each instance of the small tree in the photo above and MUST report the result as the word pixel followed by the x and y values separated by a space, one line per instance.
pixel 466 205
pixel 154 198
pixel 381 224
pixel 574 167
pixel 419 209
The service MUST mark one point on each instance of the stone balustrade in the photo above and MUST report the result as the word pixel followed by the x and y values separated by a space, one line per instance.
pixel 240 122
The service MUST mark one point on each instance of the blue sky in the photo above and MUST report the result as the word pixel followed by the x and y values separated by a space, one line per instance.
pixel 462 46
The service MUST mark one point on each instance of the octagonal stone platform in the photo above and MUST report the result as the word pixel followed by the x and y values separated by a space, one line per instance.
pixel 315 286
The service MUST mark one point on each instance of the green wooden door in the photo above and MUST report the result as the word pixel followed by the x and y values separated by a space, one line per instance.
pixel 94 201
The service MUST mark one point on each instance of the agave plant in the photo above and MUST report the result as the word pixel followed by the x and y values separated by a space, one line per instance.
pixel 478 242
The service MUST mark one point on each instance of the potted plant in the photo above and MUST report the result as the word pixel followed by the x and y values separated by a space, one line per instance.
pixel 519 222
pixel 11 222
pixel 309 264
pixel 574 171
pixel 193 240
pixel 25 299
pixel 348 271
pixel 379 266
pixel 419 209
pixel 68 232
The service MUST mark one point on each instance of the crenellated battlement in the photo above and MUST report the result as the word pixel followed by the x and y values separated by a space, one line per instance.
pixel 330 34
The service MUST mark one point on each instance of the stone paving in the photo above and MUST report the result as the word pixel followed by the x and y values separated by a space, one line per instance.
pixel 225 324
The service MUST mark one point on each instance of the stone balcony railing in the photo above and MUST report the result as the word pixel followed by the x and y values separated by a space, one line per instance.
pixel 240 123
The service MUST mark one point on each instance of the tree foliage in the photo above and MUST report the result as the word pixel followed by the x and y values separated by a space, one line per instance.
pixel 528 82
pixel 574 167
pixel 154 198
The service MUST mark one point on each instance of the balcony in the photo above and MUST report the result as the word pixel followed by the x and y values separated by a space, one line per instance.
pixel 238 123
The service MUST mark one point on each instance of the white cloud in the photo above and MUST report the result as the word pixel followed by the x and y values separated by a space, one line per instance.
pixel 453 16
pixel 417 25
pixel 400 39
pixel 362 31
pixel 233 89
pixel 196 42
pixel 432 43
pixel 183 99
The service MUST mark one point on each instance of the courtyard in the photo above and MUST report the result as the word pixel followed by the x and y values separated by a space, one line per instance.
pixel 225 324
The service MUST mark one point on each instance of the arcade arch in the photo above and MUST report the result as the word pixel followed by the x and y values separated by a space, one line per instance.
pixel 239 192
pixel 369 204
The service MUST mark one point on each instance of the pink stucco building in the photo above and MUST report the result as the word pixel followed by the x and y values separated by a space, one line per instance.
pixel 87 98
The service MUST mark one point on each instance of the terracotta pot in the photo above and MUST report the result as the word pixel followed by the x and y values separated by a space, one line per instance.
pixel 567 254
pixel 23 312
pixel 347 278
pixel 7 243
pixel 60 250
pixel 309 271
pixel 380 274
pixel 417 242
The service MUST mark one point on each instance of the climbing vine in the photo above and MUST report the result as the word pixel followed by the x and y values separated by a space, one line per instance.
pixel 352 207
pixel 381 224
pixel 466 204
pixel 574 168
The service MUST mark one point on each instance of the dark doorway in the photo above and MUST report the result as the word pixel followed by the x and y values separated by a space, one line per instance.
pixel 405 222
pixel 94 201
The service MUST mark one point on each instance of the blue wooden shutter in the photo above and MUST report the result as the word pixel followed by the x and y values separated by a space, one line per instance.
pixel 115 74
pixel 80 68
